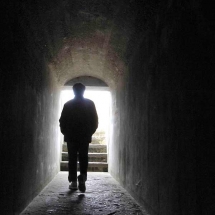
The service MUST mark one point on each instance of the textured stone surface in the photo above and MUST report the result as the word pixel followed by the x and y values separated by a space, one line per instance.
pixel 163 132
pixel 103 196
pixel 158 60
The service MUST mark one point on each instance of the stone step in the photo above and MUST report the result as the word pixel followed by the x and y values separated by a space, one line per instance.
pixel 97 148
pixel 93 157
pixel 93 148
pixel 95 140
pixel 92 166
pixel 98 140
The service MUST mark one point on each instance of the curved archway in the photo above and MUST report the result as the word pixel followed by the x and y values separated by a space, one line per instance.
pixel 87 81
pixel 87 57
pixel 99 54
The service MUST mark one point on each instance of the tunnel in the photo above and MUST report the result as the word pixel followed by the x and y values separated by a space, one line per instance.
pixel 156 57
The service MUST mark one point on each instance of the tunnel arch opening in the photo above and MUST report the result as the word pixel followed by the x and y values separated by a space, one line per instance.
pixel 99 92
pixel 87 81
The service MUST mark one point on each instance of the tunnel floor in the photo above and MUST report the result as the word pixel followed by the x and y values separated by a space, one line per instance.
pixel 103 196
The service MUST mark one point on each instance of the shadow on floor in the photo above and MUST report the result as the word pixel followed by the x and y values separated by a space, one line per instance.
pixel 103 196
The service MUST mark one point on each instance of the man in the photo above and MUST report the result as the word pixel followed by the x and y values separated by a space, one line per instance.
pixel 78 122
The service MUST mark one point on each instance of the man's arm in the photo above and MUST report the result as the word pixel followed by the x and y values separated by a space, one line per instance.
pixel 62 120
pixel 94 116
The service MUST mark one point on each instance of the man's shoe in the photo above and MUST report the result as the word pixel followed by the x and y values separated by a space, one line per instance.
pixel 81 183
pixel 73 185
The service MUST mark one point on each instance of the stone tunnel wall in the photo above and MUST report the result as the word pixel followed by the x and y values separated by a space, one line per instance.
pixel 30 147
pixel 162 104
pixel 164 128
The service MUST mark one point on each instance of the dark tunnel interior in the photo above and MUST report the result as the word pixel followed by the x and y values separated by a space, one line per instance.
pixel 157 58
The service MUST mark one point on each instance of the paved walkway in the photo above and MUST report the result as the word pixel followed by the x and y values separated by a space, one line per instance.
pixel 103 196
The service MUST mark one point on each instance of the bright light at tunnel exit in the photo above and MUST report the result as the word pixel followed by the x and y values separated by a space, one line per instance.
pixel 102 100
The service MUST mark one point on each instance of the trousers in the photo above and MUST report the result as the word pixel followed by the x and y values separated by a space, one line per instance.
pixel 77 151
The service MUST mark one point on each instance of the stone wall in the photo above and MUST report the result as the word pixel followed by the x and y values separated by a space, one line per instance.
pixel 163 127
pixel 157 59
pixel 30 147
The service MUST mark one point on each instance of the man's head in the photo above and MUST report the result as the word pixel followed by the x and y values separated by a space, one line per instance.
pixel 78 89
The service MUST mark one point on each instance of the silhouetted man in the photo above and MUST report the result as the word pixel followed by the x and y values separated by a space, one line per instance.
pixel 78 122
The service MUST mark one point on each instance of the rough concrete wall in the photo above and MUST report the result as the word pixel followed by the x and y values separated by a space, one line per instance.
pixel 164 128
pixel 30 144
pixel 162 132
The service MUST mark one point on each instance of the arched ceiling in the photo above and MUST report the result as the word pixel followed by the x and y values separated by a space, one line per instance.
pixel 87 81
pixel 95 44
pixel 81 37
pixel 90 56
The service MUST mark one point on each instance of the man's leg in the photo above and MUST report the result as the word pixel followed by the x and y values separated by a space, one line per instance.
pixel 83 164
pixel 83 159
pixel 72 154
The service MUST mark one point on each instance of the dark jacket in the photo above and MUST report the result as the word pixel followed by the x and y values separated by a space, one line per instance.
pixel 79 120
